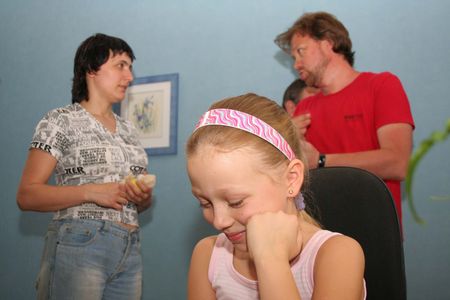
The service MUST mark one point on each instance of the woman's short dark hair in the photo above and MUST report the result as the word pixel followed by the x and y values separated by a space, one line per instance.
pixel 90 56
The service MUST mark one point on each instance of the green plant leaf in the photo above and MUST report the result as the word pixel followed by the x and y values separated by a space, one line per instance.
pixel 424 147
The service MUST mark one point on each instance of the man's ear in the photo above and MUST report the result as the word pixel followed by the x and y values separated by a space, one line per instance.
pixel 295 175
pixel 327 46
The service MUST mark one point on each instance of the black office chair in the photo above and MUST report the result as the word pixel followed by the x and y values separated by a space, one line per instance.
pixel 358 204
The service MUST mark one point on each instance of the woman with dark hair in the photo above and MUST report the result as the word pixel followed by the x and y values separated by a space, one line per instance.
pixel 92 246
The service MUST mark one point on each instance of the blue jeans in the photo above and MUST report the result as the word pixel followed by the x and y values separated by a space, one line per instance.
pixel 90 259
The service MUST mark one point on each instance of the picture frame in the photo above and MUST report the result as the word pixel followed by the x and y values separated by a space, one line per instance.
pixel 151 104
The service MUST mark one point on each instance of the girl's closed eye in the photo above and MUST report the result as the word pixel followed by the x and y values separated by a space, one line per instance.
pixel 205 204
pixel 236 204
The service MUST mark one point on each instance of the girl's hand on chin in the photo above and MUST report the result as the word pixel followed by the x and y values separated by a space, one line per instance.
pixel 274 236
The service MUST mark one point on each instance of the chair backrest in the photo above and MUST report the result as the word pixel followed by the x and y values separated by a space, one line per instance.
pixel 358 204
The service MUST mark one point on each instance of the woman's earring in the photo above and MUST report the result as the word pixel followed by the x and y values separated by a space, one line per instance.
pixel 290 192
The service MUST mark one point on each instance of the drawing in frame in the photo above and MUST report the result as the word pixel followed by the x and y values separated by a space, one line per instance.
pixel 152 105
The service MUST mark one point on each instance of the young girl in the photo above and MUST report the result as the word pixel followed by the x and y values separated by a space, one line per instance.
pixel 243 163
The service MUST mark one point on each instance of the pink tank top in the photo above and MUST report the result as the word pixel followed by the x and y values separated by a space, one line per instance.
pixel 230 285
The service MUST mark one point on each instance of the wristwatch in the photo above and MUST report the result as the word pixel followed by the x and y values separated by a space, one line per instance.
pixel 322 159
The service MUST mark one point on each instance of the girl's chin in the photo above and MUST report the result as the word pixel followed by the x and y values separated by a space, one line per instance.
pixel 240 249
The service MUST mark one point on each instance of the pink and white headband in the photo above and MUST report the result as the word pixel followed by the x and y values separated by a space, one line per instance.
pixel 241 120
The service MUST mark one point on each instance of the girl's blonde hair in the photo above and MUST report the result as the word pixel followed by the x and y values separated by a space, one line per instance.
pixel 228 138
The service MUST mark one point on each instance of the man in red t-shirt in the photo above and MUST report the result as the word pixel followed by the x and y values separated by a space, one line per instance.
pixel 358 119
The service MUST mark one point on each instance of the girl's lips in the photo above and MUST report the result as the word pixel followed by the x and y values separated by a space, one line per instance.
pixel 235 237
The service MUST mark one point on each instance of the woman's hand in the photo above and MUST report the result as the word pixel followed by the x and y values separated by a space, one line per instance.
pixel 139 192
pixel 112 195
pixel 273 236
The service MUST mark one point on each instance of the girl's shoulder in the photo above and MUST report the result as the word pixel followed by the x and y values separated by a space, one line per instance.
pixel 201 255
pixel 340 242
pixel 206 244
pixel 340 252
pixel 199 286
pixel 339 269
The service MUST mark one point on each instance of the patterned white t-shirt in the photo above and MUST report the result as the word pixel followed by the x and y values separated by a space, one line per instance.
pixel 86 152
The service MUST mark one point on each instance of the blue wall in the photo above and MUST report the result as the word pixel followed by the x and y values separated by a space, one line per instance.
pixel 219 48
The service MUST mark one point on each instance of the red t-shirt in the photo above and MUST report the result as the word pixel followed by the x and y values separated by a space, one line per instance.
pixel 348 120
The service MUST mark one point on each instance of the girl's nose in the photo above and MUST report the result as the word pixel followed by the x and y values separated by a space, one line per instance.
pixel 222 219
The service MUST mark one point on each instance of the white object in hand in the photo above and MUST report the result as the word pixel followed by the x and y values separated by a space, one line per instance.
pixel 148 179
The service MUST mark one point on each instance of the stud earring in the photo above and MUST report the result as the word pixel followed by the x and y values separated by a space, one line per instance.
pixel 290 191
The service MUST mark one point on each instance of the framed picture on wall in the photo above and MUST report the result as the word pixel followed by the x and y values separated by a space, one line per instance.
pixel 152 105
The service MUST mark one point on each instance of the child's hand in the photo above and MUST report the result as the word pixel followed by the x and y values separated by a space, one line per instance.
pixel 302 122
pixel 274 236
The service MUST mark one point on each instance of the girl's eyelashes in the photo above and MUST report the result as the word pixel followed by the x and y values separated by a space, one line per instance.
pixel 236 204
pixel 205 204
